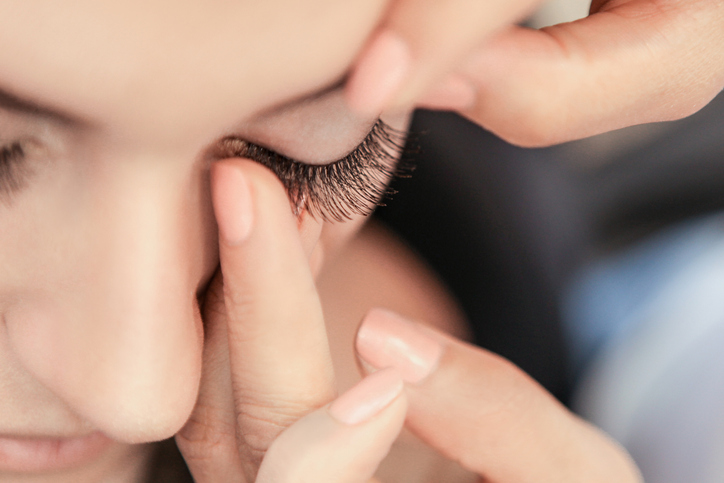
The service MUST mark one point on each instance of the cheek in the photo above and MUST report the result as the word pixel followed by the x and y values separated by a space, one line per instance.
pixel 331 237
pixel 310 230
pixel 336 235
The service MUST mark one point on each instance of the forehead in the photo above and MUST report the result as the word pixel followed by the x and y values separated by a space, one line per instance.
pixel 155 67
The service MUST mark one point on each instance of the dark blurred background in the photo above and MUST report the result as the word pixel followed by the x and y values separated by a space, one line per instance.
pixel 506 227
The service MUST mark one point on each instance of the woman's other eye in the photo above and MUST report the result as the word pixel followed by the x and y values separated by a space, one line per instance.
pixel 13 169
pixel 352 185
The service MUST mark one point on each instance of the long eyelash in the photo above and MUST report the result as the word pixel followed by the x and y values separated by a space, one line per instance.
pixel 11 172
pixel 353 185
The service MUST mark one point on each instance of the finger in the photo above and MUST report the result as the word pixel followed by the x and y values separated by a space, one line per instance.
pixel 343 442
pixel 280 364
pixel 208 439
pixel 419 42
pixel 484 412
pixel 640 61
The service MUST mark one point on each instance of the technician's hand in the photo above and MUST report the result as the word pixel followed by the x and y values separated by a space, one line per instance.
pixel 481 410
pixel 471 405
pixel 267 363
pixel 629 62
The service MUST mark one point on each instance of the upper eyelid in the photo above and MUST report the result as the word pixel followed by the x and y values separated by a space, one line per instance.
pixel 315 130
pixel 11 103
pixel 231 146
pixel 279 109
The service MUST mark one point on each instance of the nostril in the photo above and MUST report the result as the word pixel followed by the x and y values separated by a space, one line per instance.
pixel 132 376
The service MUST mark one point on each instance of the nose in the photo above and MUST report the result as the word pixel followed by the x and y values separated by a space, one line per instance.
pixel 120 340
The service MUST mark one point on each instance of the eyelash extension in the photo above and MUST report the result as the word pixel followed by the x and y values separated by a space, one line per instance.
pixel 12 176
pixel 353 185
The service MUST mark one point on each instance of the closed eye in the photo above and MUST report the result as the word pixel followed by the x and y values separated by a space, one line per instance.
pixel 352 185
pixel 13 172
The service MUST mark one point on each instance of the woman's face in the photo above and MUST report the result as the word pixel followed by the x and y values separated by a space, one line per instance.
pixel 110 113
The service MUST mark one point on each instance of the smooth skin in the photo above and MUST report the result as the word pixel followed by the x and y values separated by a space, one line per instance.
pixel 110 240
pixel 273 420
pixel 629 62
pixel 507 415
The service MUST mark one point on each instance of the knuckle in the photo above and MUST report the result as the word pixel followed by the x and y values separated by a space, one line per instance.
pixel 256 434
pixel 235 297
pixel 261 422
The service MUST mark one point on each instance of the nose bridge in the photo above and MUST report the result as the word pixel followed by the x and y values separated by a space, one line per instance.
pixel 135 337
pixel 141 238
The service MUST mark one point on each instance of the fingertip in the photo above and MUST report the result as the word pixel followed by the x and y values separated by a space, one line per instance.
pixel 379 74
pixel 368 397
pixel 386 339
pixel 232 200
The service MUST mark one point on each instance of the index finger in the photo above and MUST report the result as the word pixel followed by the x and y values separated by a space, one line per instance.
pixel 484 412
pixel 281 368
pixel 634 62
pixel 419 42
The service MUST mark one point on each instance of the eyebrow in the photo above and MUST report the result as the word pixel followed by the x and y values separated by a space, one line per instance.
pixel 11 102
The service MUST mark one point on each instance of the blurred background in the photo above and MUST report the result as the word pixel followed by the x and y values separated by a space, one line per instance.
pixel 597 266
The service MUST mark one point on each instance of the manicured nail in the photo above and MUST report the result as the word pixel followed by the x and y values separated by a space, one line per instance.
pixel 387 340
pixel 455 92
pixel 232 203
pixel 379 74
pixel 367 398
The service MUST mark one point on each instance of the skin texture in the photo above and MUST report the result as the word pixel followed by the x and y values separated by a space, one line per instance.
pixel 258 420
pixel 629 62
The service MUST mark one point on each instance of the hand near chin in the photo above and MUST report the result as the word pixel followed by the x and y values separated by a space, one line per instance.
pixel 267 409
pixel 628 62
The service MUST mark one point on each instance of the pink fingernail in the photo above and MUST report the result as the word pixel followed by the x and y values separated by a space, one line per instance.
pixel 232 202
pixel 367 398
pixel 379 74
pixel 387 340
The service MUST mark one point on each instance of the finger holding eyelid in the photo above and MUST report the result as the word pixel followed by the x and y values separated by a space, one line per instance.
pixel 281 367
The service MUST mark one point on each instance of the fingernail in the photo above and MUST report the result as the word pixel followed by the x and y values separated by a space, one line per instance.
pixel 455 92
pixel 232 203
pixel 387 340
pixel 379 74
pixel 367 398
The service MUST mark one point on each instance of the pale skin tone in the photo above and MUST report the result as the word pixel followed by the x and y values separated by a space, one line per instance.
pixel 101 330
